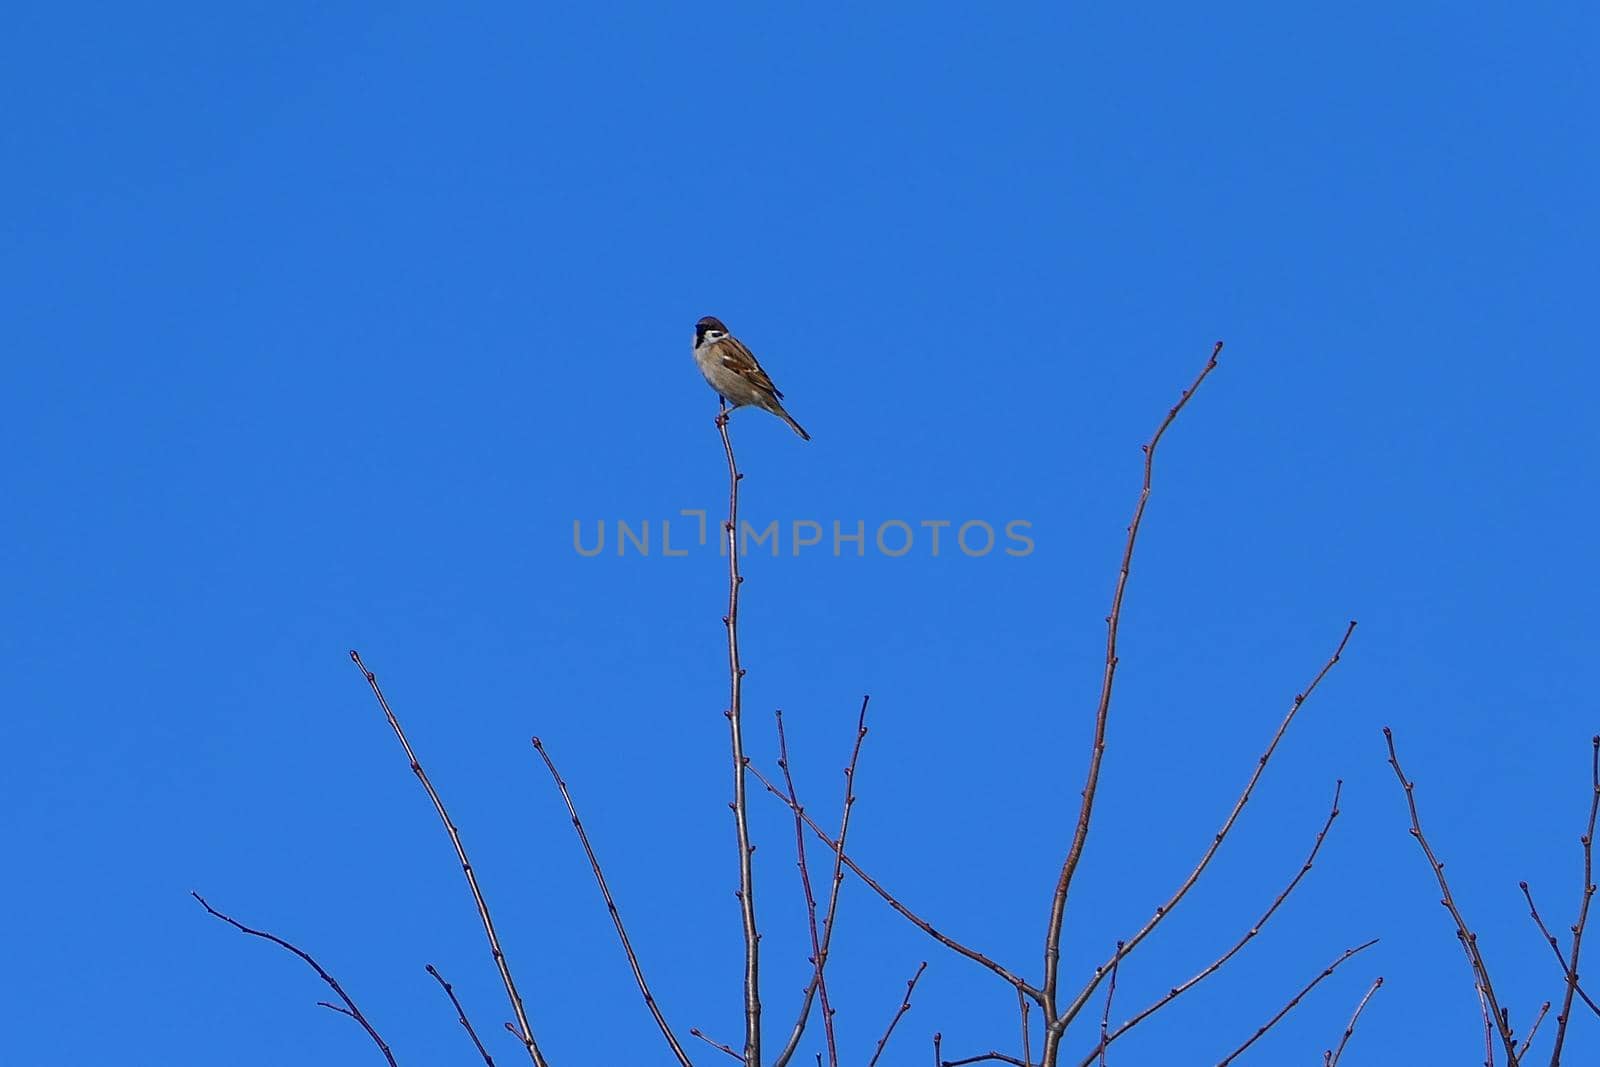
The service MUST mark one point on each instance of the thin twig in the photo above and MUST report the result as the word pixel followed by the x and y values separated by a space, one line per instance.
pixel 525 1034
pixel 990 1055
pixel 1331 1057
pixel 1555 946
pixel 1165 909
pixel 747 901
pixel 1027 1043
pixel 1215 965
pixel 1544 1010
pixel 937 1058
pixel 1105 1014
pixel 905 1006
pixel 461 1014
pixel 695 1032
pixel 1464 934
pixel 888 898
pixel 1287 1008
pixel 1488 1028
pixel 817 985
pixel 1080 833
pixel 820 949
pixel 611 906
pixel 349 1008
pixel 1565 1015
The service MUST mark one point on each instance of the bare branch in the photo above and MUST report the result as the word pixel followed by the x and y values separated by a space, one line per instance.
pixel 1331 1057
pixel 1488 1028
pixel 1105 1014
pixel 461 1015
pixel 990 1055
pixel 817 985
pixel 695 1032
pixel 1027 1043
pixel 611 906
pixel 349 1008
pixel 1287 1008
pixel 525 1034
pixel 741 820
pixel 888 898
pixel 1080 833
pixel 1565 1015
pixel 1464 934
pixel 1544 1009
pixel 820 948
pixel 1165 909
pixel 1555 946
pixel 1215 965
pixel 905 1006
pixel 820 944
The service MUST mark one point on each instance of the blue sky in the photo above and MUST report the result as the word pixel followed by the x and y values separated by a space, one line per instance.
pixel 324 325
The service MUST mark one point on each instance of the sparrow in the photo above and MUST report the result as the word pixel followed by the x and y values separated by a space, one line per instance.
pixel 731 369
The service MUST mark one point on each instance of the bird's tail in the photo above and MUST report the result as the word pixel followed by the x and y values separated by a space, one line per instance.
pixel 795 426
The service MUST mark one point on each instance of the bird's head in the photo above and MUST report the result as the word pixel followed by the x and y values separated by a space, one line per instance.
pixel 708 330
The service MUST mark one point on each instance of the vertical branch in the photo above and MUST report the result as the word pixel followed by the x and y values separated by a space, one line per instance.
pixel 1105 1015
pixel 349 1008
pixel 1464 934
pixel 524 1032
pixel 818 986
pixel 1080 833
pixel 905 1006
pixel 747 903
pixel 1565 1015
pixel 461 1014
pixel 1027 1043
pixel 611 906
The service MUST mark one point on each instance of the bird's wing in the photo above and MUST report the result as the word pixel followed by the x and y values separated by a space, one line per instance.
pixel 739 359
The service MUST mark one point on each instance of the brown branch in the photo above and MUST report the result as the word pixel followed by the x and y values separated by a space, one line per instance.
pixel 905 1006
pixel 1555 946
pixel 1080 833
pixel 1544 1009
pixel 1105 1014
pixel 1287 1008
pixel 1178 990
pixel 820 948
pixel 747 902
pixel 817 986
pixel 990 1055
pixel 888 898
pixel 1488 1029
pixel 1330 1058
pixel 461 1015
pixel 349 1009
pixel 1565 1015
pixel 1464 934
pixel 1165 909
pixel 611 906
pixel 1027 1043
pixel 525 1033
pixel 695 1032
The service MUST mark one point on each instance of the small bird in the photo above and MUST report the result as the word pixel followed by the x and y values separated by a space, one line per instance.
pixel 732 370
